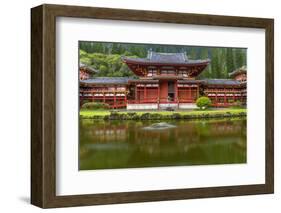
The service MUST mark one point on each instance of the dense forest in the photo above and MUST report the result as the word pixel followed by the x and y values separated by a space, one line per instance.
pixel 106 57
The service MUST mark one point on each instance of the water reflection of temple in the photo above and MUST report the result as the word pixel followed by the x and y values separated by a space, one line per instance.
pixel 105 132
pixel 186 135
pixel 126 144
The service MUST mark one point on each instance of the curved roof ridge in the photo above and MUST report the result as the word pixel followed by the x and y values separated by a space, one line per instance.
pixel 164 56
pixel 226 81
pixel 107 80
pixel 239 70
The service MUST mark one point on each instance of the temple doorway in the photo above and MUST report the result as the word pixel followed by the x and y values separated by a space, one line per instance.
pixel 171 91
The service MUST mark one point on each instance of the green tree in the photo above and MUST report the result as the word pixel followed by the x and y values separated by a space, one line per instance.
pixel 193 53
pixel 215 66
pixel 229 60
pixel 103 70
pixel 204 54
pixel 240 58
pixel 203 102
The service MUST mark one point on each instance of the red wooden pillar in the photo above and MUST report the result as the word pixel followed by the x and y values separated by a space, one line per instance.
pixel 176 93
pixel 125 97
pixel 136 92
pixel 216 92
pixel 176 90
pixel 114 101
pixel 224 97
pixel 197 90
pixel 233 94
pixel 189 93
pixel 158 95
pixel 145 92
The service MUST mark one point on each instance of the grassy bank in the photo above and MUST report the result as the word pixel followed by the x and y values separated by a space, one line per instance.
pixel 161 115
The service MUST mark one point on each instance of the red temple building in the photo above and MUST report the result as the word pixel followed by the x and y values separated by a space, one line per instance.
pixel 85 72
pixel 164 80
pixel 239 74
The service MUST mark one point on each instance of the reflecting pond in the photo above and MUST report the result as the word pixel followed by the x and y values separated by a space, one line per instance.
pixel 135 144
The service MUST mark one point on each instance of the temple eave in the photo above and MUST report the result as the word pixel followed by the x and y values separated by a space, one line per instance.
pixel 153 63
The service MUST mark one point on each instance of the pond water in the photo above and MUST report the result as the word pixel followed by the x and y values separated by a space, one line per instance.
pixel 135 144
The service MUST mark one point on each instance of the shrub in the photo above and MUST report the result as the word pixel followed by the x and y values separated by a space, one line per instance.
pixel 84 101
pixel 145 116
pixel 114 116
pixel 95 105
pixel 203 102
pixel 131 114
pixel 176 116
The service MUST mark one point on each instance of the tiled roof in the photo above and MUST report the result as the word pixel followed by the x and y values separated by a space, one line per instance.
pixel 90 69
pixel 221 82
pixel 163 57
pixel 166 58
pixel 107 80
pixel 191 81
pixel 143 81
pixel 238 71
pixel 125 80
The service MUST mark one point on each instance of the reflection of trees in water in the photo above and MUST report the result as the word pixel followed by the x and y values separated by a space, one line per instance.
pixel 191 142
pixel 186 132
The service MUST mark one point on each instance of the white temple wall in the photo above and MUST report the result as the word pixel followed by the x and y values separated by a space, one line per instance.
pixel 142 106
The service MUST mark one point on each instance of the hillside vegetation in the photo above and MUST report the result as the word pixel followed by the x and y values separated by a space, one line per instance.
pixel 106 57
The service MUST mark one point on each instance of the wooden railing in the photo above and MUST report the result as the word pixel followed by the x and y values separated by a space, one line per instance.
pixel 103 97
pixel 160 101
pixel 103 91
